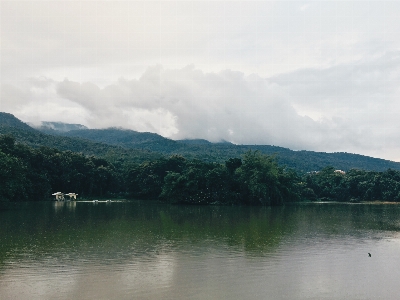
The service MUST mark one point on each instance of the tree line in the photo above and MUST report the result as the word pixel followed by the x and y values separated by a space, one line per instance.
pixel 30 174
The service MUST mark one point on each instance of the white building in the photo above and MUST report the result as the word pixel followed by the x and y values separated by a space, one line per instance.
pixel 340 172
pixel 59 196
pixel 72 196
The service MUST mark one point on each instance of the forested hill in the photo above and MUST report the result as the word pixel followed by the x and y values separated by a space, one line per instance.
pixel 8 120
pixel 57 127
pixel 303 161
pixel 25 134
pixel 121 137
pixel 33 165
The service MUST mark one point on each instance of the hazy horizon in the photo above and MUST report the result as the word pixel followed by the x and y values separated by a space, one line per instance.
pixel 304 75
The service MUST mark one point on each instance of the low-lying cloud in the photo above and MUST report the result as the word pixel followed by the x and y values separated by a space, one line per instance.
pixel 308 109
pixel 193 104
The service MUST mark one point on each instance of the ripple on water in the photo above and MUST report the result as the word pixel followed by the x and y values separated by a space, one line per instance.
pixel 299 252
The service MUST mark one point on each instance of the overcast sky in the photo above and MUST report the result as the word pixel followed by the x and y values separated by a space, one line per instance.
pixel 312 75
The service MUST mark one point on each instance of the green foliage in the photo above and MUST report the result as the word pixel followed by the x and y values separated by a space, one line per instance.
pixel 146 180
pixel 126 147
pixel 263 181
pixel 327 184
pixel 302 161
pixel 257 176
pixel 233 164
pixel 198 183
pixel 33 174
pixel 258 180
pixel 13 182
pixel 355 185
pixel 24 134
pixel 28 173
pixel 34 165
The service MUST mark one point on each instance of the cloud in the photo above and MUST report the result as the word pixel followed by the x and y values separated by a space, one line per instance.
pixel 99 41
pixel 193 104
pixel 190 103
pixel 35 100
pixel 305 75
pixel 298 110
pixel 357 102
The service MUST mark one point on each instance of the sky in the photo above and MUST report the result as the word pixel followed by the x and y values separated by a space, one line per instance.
pixel 306 75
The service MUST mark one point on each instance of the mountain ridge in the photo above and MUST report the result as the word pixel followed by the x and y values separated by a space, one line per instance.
pixel 25 134
pixel 56 127
pixel 119 144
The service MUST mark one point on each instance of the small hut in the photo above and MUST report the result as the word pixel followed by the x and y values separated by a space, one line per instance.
pixel 72 196
pixel 59 196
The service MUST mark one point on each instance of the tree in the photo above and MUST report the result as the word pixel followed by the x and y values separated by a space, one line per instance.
pixel 259 176
pixel 232 164
pixel 12 178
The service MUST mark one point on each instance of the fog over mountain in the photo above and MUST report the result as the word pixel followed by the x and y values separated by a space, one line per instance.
pixel 319 76
pixel 57 126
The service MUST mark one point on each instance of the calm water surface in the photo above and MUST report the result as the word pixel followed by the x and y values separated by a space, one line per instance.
pixel 141 250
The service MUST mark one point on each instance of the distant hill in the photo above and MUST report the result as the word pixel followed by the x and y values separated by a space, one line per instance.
pixel 9 120
pixel 123 145
pixel 194 142
pixel 303 161
pixel 57 127
pixel 27 135
pixel 117 136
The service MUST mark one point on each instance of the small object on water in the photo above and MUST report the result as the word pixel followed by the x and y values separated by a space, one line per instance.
pixel 95 200
pixel 369 254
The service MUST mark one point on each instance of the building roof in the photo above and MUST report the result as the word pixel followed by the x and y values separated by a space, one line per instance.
pixel 58 193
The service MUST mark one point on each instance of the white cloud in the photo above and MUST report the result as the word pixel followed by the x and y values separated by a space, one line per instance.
pixel 100 41
pixel 249 109
pixel 36 100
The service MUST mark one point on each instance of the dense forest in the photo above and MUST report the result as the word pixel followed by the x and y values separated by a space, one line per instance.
pixel 28 173
pixel 303 161
pixel 34 173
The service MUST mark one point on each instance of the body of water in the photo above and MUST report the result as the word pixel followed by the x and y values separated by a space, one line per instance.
pixel 146 250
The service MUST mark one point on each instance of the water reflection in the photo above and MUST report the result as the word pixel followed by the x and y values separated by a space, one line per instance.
pixel 69 205
pixel 125 250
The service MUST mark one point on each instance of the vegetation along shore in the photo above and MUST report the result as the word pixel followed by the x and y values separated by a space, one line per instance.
pixel 32 173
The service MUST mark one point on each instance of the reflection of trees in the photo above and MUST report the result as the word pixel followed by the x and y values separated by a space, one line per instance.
pixel 126 229
pixel 255 228
pixel 132 229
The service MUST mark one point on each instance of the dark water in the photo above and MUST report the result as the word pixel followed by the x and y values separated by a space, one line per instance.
pixel 139 250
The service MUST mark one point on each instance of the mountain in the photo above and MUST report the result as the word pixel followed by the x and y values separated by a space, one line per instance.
pixel 123 145
pixel 303 161
pixel 25 134
pixel 10 121
pixel 194 142
pixel 57 127
pixel 118 136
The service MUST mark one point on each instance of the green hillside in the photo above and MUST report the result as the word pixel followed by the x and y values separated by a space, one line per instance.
pixel 57 128
pixel 33 165
pixel 118 136
pixel 303 161
pixel 25 134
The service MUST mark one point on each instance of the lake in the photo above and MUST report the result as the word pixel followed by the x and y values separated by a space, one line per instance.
pixel 147 250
